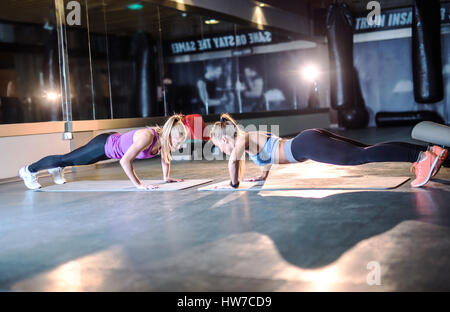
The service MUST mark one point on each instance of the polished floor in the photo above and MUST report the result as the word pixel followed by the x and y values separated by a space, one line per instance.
pixel 396 240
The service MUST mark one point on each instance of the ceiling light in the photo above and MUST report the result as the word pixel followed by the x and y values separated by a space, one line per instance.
pixel 135 6
pixel 211 21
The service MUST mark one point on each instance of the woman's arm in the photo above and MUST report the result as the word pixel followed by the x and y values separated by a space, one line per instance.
pixel 234 161
pixel 266 171
pixel 166 172
pixel 141 141
pixel 233 169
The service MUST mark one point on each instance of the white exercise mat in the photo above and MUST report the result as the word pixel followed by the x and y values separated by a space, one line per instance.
pixel 338 183
pixel 121 186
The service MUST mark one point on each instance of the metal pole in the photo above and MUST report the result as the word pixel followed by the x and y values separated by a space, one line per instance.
pixel 63 57
pixel 237 74
pixel 108 61
pixel 90 61
pixel 161 65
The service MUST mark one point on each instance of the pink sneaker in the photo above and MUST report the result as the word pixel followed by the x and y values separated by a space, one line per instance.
pixel 423 169
pixel 441 153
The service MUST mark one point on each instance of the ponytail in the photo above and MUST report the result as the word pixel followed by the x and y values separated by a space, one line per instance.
pixel 227 126
pixel 172 126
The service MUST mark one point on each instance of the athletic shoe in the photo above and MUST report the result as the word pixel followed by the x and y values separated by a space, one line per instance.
pixel 423 169
pixel 58 175
pixel 442 155
pixel 29 178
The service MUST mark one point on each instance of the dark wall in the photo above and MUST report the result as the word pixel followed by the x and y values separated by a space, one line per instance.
pixel 385 75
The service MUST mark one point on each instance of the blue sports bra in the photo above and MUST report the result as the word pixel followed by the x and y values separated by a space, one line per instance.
pixel 267 154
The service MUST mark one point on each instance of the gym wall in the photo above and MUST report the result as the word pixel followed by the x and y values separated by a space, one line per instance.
pixel 383 61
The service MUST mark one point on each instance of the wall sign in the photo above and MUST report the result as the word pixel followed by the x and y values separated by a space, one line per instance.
pixel 396 18
pixel 224 41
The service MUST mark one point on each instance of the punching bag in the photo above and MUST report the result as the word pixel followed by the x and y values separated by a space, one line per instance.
pixel 426 52
pixel 357 115
pixel 339 24
pixel 145 78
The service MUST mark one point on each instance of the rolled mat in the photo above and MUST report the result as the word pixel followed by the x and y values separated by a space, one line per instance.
pixel 432 132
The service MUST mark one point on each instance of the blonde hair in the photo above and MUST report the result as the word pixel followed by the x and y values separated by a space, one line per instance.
pixel 228 127
pixel 173 125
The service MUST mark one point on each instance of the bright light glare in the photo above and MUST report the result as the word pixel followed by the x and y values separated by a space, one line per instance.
pixel 212 21
pixel 310 73
pixel 51 96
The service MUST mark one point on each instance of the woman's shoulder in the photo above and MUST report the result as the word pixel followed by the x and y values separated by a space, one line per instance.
pixel 144 134
pixel 259 134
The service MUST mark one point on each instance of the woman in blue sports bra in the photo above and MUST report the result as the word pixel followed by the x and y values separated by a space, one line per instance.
pixel 263 148
pixel 319 145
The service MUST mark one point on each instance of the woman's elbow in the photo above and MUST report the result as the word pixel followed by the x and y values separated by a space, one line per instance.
pixel 125 162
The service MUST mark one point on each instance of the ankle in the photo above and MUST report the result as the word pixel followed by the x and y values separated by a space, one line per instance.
pixel 422 156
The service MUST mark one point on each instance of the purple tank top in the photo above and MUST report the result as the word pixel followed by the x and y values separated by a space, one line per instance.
pixel 117 145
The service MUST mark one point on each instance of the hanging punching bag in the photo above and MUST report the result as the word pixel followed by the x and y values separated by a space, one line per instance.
pixel 340 49
pixel 145 78
pixel 426 52
pixel 357 115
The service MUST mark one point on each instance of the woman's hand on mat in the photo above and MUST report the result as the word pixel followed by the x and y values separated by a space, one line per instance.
pixel 147 186
pixel 255 179
pixel 170 180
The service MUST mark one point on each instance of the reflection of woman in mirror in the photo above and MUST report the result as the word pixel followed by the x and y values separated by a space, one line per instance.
pixel 208 87
pixel 251 86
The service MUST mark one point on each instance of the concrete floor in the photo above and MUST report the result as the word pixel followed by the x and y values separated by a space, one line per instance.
pixel 241 241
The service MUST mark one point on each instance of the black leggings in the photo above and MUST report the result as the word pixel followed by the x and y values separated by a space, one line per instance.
pixel 88 154
pixel 326 147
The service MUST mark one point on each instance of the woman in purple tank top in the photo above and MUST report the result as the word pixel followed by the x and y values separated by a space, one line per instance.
pixel 141 144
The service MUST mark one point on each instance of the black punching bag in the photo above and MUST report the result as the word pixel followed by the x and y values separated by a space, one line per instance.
pixel 426 52
pixel 340 49
pixel 143 48
pixel 356 116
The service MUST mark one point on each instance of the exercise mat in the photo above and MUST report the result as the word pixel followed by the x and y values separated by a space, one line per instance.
pixel 337 183
pixel 121 186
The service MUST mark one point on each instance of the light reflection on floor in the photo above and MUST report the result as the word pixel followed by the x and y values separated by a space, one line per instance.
pixel 85 274
pixel 250 255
